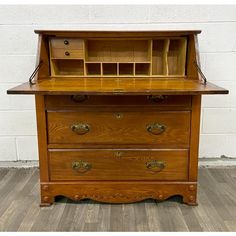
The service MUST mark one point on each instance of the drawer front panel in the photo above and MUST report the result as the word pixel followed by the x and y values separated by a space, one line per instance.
pixel 67 43
pixel 74 101
pixel 118 165
pixel 163 129
pixel 67 54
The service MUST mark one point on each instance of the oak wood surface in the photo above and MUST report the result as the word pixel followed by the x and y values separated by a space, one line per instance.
pixel 68 54
pixel 70 44
pixel 119 165
pixel 120 127
pixel 109 86
pixel 194 137
pixel 116 33
pixel 42 137
pixel 70 102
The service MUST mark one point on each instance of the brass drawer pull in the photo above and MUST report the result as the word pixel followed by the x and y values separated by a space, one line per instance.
pixel 156 98
pixel 67 53
pixel 66 42
pixel 155 166
pixel 156 128
pixel 81 166
pixel 79 98
pixel 80 128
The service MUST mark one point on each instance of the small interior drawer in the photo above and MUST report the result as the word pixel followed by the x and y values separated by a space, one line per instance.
pixel 118 164
pixel 67 54
pixel 67 43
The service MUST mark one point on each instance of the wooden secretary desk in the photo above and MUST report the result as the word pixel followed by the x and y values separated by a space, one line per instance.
pixel 118 114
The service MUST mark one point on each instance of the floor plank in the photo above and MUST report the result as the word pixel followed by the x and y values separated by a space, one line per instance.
pixel 20 211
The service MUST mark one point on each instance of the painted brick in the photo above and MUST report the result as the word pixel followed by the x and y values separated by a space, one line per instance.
pixel 15 102
pixel 29 14
pixel 217 145
pixel 16 68
pixel 7 149
pixel 27 148
pixel 190 13
pixel 119 14
pixel 219 66
pixel 219 121
pixel 221 101
pixel 217 37
pixel 18 40
pixel 17 123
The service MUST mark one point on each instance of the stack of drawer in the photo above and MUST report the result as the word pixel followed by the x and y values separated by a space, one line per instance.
pixel 67 48
pixel 118 137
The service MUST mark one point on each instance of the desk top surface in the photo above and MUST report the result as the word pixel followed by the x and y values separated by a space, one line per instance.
pixel 117 86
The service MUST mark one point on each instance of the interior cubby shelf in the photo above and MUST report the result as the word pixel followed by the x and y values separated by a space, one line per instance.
pixel 161 57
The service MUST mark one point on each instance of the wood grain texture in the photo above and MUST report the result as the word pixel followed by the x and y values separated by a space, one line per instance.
pixel 66 54
pixel 118 191
pixel 70 43
pixel 116 33
pixel 215 212
pixel 42 55
pixel 120 127
pixel 157 102
pixel 42 137
pixel 194 137
pixel 118 165
pixel 111 86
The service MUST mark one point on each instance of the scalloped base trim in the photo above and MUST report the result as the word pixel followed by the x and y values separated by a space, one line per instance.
pixel 118 191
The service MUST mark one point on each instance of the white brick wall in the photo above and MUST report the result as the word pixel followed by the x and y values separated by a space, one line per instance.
pixel 17 58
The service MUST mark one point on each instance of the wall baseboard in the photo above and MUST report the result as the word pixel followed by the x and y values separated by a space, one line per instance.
pixel 223 161
pixel 19 164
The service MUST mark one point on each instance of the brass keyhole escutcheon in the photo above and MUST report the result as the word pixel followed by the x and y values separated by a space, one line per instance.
pixel 118 115
pixel 118 154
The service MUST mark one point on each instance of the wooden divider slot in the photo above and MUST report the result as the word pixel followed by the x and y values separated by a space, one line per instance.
pixel 177 56
pixel 159 57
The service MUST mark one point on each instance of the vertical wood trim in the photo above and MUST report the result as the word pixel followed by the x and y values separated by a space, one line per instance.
pixel 101 69
pixel 165 57
pixel 150 42
pixel 192 55
pixel 42 138
pixel 43 51
pixel 194 138
pixel 182 56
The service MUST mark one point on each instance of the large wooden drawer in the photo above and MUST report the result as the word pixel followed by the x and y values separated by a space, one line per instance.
pixel 163 129
pixel 73 101
pixel 118 165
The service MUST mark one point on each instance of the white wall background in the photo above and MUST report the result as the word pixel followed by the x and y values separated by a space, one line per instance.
pixel 18 44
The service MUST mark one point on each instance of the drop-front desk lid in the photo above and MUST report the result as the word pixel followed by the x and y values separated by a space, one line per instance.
pixel 111 86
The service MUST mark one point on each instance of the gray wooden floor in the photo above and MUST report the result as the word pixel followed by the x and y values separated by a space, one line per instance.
pixel 20 211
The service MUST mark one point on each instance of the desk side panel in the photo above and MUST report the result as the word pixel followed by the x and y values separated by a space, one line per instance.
pixel 42 138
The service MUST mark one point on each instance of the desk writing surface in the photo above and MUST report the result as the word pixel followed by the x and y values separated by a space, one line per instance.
pixel 111 86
